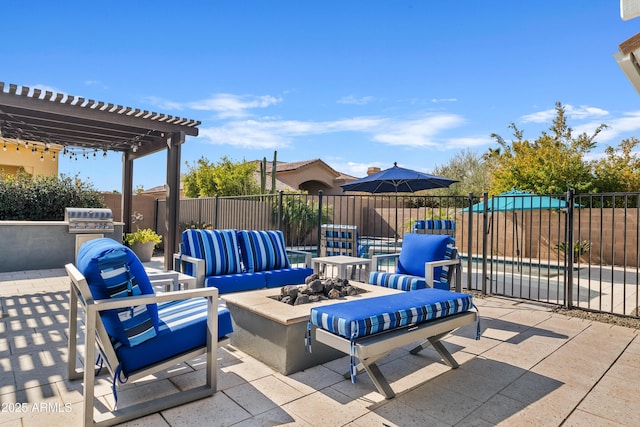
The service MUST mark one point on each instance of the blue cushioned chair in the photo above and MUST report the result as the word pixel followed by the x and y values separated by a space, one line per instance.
pixel 138 332
pixel 425 261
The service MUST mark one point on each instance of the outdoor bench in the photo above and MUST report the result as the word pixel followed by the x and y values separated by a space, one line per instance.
pixel 369 329
pixel 239 260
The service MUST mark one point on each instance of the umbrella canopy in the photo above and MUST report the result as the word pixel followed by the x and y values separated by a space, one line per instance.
pixel 397 180
pixel 515 200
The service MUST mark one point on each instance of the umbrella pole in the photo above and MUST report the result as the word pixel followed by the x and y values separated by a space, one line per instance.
pixel 518 258
pixel 395 230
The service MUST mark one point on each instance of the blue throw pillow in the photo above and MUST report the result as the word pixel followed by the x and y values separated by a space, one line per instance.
pixel 112 270
pixel 418 249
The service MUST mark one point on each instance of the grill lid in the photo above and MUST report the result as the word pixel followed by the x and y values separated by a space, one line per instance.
pixel 89 220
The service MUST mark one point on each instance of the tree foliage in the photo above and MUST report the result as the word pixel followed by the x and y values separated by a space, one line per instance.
pixel 469 169
pixel 551 164
pixel 619 170
pixel 44 198
pixel 226 178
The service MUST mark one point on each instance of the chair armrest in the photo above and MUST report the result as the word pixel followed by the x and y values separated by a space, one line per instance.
pixel 198 267
pixel 430 266
pixel 375 259
pixel 111 303
pixel 307 256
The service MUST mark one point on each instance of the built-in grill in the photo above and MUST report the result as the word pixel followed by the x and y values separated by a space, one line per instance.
pixel 89 220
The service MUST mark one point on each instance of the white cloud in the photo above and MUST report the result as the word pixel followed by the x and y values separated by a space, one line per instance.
pixel 226 105
pixel 444 100
pixel 263 133
pixel 468 142
pixel 617 128
pixel 577 113
pixel 352 99
pixel 164 104
pixel 418 132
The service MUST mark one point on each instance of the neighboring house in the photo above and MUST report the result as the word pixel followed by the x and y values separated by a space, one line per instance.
pixel 26 156
pixel 308 175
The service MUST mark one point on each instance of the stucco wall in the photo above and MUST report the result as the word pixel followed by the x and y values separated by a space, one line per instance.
pixel 38 245
pixel 30 161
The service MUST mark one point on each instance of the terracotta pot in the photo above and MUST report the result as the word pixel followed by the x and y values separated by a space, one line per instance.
pixel 144 251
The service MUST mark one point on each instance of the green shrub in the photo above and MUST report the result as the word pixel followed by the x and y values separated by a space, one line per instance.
pixel 145 235
pixel 44 198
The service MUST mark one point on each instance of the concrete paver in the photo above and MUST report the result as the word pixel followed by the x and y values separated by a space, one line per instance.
pixel 531 367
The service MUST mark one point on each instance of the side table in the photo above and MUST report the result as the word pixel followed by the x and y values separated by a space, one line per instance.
pixel 341 262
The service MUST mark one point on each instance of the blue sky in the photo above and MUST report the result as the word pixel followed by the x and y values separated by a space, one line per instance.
pixel 355 83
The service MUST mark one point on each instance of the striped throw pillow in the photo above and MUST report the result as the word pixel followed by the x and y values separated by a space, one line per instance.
pixel 263 250
pixel 218 248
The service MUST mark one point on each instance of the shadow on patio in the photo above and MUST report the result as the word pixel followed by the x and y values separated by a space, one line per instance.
pixel 532 366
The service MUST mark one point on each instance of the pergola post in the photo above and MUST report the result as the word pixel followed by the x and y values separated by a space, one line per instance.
pixel 127 191
pixel 174 142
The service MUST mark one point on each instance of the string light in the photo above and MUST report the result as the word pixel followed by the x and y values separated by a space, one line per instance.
pixel 44 147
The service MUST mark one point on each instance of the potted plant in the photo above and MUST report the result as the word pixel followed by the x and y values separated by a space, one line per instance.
pixel 142 242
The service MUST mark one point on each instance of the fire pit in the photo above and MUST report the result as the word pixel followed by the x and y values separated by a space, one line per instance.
pixel 316 289
pixel 273 332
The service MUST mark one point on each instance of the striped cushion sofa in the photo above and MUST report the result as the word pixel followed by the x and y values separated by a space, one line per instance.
pixel 368 329
pixel 239 260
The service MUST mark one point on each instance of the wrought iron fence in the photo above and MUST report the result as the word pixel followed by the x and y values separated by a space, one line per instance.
pixel 583 254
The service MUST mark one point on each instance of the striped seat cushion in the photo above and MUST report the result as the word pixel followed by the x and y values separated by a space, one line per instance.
pixel 434 224
pixel 401 282
pixel 218 248
pixel 183 327
pixel 112 270
pixel 355 319
pixel 263 250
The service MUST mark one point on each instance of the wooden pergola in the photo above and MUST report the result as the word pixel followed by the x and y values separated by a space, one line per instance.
pixel 74 122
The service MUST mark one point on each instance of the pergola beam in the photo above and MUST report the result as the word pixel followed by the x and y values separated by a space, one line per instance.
pixel 76 122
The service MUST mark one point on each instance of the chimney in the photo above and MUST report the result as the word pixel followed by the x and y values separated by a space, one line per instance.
pixel 372 169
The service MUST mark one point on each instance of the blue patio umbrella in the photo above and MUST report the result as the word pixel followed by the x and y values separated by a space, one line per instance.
pixel 397 180
pixel 516 200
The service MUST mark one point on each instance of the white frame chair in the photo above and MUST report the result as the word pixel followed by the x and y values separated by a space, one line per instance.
pixel 454 264
pixel 96 336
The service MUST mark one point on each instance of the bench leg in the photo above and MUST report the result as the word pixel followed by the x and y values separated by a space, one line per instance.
pixel 370 367
pixel 376 376
pixel 379 380
pixel 439 347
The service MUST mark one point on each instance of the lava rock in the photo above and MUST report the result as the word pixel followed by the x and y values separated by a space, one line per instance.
pixel 289 291
pixel 302 299
pixel 316 286
pixel 287 300
pixel 311 278
pixel 334 294
pixel 350 290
